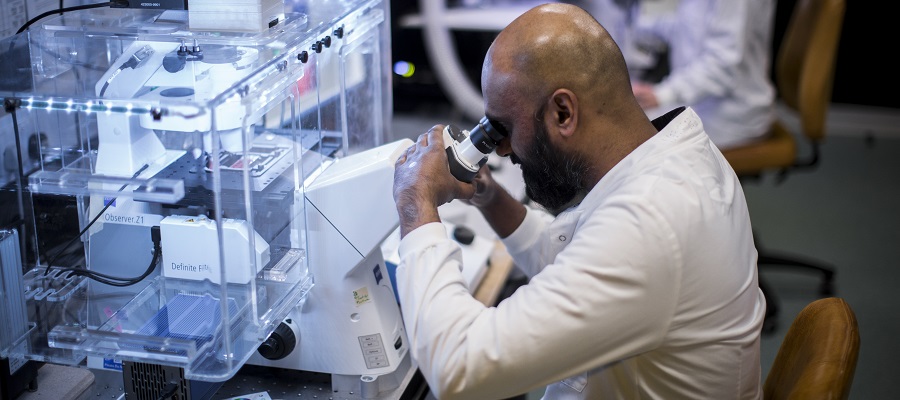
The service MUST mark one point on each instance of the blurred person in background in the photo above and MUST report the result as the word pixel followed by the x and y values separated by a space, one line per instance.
pixel 711 55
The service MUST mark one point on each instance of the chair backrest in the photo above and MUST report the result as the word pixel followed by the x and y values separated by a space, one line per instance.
pixel 817 358
pixel 804 65
pixel 804 75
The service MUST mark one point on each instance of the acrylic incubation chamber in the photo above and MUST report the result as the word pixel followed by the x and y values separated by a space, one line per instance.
pixel 154 208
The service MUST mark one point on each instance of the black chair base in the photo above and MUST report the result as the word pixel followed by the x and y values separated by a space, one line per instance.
pixel 826 287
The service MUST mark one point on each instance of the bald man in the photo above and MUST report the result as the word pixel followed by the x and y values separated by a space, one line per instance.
pixel 642 286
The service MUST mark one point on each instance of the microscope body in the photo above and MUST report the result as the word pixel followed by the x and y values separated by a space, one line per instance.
pixel 222 140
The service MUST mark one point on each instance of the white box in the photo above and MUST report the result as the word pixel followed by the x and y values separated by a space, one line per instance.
pixel 235 15
pixel 190 249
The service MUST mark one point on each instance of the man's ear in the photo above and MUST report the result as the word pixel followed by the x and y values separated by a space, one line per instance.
pixel 564 111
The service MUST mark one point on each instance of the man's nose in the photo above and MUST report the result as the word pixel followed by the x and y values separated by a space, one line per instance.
pixel 504 149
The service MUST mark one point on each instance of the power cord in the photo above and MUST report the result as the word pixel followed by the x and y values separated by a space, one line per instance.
pixel 168 391
pixel 108 204
pixel 111 4
pixel 136 60
pixel 122 282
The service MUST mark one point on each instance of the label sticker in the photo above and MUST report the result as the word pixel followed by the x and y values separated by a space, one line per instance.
pixel 361 296
pixel 110 363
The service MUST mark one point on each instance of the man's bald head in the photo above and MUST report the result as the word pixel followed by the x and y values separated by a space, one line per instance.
pixel 556 46
pixel 558 84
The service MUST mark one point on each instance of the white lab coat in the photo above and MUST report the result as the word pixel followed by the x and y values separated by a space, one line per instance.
pixel 720 59
pixel 646 289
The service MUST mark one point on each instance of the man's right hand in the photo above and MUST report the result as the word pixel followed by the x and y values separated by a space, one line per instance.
pixel 422 181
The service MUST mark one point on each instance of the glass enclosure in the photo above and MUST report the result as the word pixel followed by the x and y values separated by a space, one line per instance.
pixel 153 208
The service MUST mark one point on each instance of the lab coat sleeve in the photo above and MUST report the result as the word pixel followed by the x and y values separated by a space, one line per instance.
pixel 608 295
pixel 705 64
pixel 524 244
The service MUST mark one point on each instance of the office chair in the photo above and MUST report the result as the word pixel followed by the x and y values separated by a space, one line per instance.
pixel 804 73
pixel 817 358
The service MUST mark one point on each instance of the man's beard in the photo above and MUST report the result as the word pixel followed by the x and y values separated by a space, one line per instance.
pixel 552 179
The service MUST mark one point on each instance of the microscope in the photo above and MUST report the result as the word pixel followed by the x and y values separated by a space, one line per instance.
pixel 202 199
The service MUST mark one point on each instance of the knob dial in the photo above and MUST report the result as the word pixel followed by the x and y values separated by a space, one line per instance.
pixel 279 344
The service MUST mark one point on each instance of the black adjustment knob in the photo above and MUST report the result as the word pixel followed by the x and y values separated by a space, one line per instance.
pixel 339 32
pixel 303 56
pixel 279 344
pixel 455 133
pixel 326 41
pixel 317 46
pixel 463 235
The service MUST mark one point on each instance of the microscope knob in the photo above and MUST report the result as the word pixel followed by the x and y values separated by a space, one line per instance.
pixel 279 344
pixel 463 235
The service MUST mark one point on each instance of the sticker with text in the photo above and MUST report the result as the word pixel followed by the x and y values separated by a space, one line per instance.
pixel 361 296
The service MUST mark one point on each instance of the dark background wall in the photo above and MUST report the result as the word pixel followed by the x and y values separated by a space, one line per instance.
pixel 865 73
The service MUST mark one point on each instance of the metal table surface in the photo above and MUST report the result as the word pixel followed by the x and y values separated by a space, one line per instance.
pixel 277 383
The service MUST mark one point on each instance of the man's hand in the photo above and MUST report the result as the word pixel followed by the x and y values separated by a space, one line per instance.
pixel 644 94
pixel 422 182
pixel 486 188
pixel 502 212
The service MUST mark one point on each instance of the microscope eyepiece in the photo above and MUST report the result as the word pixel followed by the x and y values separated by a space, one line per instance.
pixel 467 151
pixel 486 135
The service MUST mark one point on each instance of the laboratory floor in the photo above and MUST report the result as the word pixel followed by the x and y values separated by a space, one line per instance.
pixel 844 212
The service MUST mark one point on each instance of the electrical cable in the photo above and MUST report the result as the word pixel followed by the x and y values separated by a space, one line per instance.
pixel 168 391
pixel 136 60
pixel 112 4
pixel 111 280
pixel 108 204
